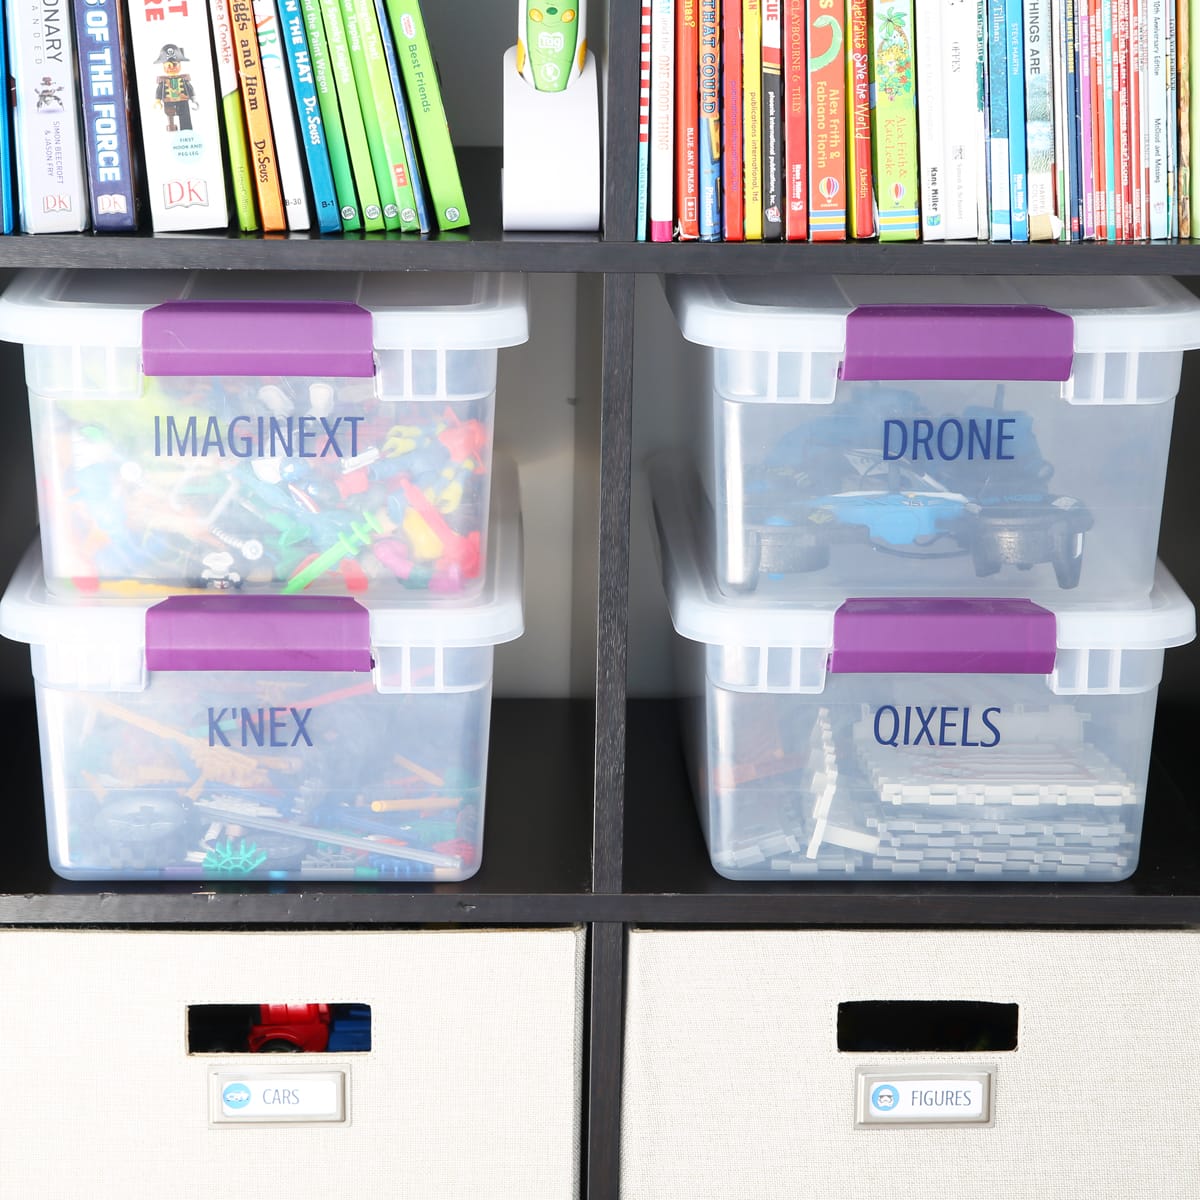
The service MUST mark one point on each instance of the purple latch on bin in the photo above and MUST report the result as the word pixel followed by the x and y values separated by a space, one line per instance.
pixel 945 635
pixel 330 339
pixel 258 633
pixel 958 341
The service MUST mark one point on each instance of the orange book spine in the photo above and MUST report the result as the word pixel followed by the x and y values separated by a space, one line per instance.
pixel 263 165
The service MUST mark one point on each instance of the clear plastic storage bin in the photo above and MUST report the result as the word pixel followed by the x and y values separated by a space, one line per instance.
pixel 893 435
pixel 268 737
pixel 952 738
pixel 263 432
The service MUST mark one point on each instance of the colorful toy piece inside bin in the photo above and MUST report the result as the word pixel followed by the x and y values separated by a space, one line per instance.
pixel 262 433
pixel 268 737
pixel 892 435
pixel 941 738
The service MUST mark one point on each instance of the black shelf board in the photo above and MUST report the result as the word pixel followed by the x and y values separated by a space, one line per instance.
pixel 487 247
pixel 670 880
pixel 535 870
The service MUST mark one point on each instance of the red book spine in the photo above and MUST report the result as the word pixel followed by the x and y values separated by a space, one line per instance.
pixel 687 119
pixel 795 106
pixel 827 122
pixel 860 181
pixel 644 125
pixel 733 211
pixel 1099 161
pixel 1138 36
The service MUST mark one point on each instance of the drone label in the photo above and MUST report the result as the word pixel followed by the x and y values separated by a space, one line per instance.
pixel 924 440
pixel 937 725
pixel 275 727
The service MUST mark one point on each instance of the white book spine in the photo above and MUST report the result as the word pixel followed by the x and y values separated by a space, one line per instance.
pixel 961 119
pixel 179 103
pixel 1172 122
pixel 662 121
pixel 1157 91
pixel 1062 159
pixel 46 119
pixel 278 82
pixel 1039 121
pixel 931 148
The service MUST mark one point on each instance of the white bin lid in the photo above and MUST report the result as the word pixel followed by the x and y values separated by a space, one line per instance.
pixel 702 613
pixel 409 309
pixel 808 312
pixel 28 613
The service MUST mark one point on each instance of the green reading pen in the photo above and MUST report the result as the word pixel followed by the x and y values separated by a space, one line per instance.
pixel 552 42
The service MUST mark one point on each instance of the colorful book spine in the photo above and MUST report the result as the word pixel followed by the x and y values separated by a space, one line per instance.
pixel 283 120
pixel 8 207
pixel 1138 113
pixel 1086 123
pixel 180 127
pixel 1099 158
pixel 381 151
pixel 258 121
pixel 232 116
pixel 1061 174
pixel 369 200
pixel 961 126
pixel 308 114
pixel 1042 218
pixel 428 114
pixel 104 89
pixel 1000 211
pixel 643 192
pixel 331 117
pixel 662 123
pixel 827 123
pixel 379 83
pixel 1183 73
pixel 773 158
pixel 733 207
pixel 1018 176
pixel 897 186
pixel 50 170
pixel 426 222
pixel 1158 91
pixel 687 119
pixel 752 118
pixel 795 134
pixel 1172 122
pixel 710 120
pixel 860 175
pixel 931 122
pixel 1122 149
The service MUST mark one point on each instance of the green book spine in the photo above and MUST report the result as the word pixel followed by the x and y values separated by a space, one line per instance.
pixel 370 116
pixel 352 119
pixel 331 117
pixel 428 114
pixel 232 116
pixel 380 83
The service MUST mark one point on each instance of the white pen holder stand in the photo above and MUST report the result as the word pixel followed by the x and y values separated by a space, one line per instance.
pixel 551 176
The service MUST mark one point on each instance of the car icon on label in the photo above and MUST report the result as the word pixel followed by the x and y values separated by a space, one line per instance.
pixel 235 1095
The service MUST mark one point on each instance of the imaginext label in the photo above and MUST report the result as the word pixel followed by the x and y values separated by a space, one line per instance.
pixel 936 725
pixel 256 437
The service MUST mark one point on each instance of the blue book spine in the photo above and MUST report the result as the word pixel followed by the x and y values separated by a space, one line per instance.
pixel 1074 131
pixel 1018 185
pixel 425 218
pixel 998 165
pixel 99 47
pixel 7 207
pixel 710 122
pixel 308 113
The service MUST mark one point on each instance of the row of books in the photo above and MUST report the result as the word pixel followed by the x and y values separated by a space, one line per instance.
pixel 1008 120
pixel 320 115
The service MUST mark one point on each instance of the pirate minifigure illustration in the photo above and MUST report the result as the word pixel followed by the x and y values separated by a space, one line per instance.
pixel 175 94
pixel 49 95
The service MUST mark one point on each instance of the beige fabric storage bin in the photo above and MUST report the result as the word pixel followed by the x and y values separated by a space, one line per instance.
pixel 470 1091
pixel 735 1089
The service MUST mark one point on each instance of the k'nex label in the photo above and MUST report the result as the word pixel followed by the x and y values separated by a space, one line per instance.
pixel 256 437
pixel 278 727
